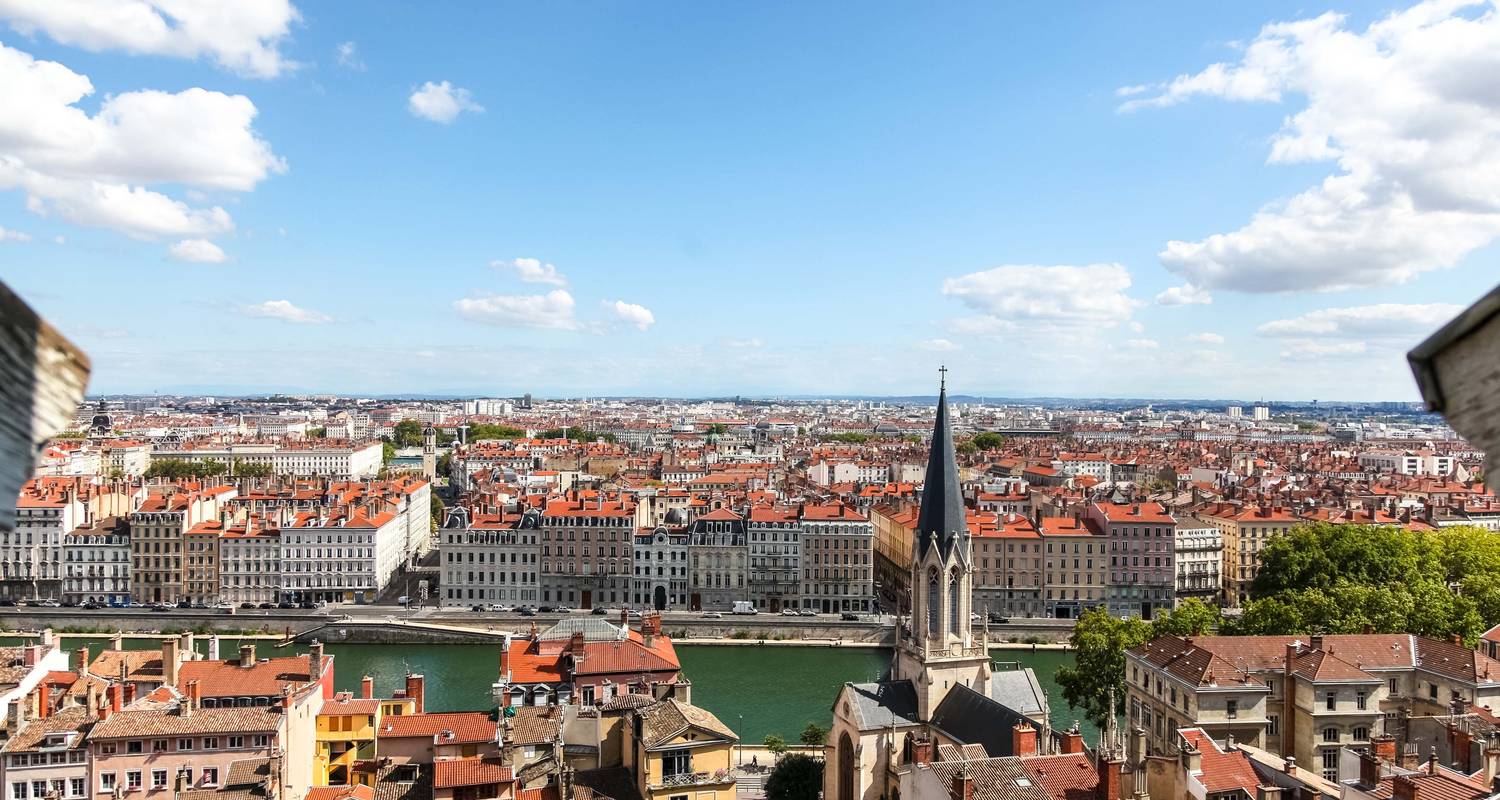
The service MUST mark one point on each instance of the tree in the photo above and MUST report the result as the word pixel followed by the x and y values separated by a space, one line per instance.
pixel 317 433
pixel 845 438
pixel 796 777
pixel 445 464
pixel 387 452
pixel 775 744
pixel 486 430
pixel 407 433
pixel 1192 617
pixel 211 468
pixel 989 441
pixel 814 735
pixel 439 512
pixel 966 447
pixel 1100 641
pixel 250 469
pixel 718 429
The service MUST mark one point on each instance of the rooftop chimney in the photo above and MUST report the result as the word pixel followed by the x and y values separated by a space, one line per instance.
pixel 963 785
pixel 247 655
pixel 1023 740
pixel 315 660
pixel 83 660
pixel 415 689
pixel 169 662
pixel 367 687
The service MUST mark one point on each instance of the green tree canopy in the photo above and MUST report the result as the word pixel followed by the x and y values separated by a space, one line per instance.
pixel 988 441
pixel 814 735
pixel 317 433
pixel 485 430
pixel 796 777
pixel 775 744
pixel 250 469
pixel 177 469
pixel 408 433
pixel 845 438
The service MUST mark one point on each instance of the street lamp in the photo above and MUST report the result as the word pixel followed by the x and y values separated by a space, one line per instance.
pixel 741 732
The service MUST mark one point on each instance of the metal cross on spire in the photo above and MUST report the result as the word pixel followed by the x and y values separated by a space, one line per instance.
pixel 942 377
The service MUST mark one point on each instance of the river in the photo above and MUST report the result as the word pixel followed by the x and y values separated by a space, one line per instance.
pixel 755 690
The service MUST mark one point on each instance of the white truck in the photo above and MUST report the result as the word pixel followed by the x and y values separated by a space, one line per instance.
pixel 744 607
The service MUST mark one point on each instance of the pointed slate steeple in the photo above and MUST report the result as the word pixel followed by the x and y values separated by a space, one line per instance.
pixel 942 519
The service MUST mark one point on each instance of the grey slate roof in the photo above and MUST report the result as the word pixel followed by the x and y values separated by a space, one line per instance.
pixel 1019 691
pixel 942 519
pixel 875 706
pixel 972 718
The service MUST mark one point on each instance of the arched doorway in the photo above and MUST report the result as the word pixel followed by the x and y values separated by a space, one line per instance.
pixel 659 598
pixel 846 767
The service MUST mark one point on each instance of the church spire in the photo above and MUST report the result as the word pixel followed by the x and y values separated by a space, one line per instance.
pixel 942 519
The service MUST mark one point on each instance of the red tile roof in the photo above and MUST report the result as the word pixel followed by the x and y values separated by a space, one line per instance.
pixel 1222 772
pixel 471 771
pixel 467 727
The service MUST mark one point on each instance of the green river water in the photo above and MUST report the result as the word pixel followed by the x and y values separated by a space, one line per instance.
pixel 755 690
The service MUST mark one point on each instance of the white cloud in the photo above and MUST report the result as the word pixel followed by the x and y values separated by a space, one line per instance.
pixel 937 345
pixel 197 251
pixel 1386 320
pixel 1313 350
pixel 14 236
pixel 243 36
pixel 441 102
pixel 1043 296
pixel 636 316
pixel 284 310
pixel 744 344
pixel 348 56
pixel 1409 111
pixel 1184 295
pixel 93 170
pixel 552 311
pixel 1142 344
pixel 1205 338
pixel 531 270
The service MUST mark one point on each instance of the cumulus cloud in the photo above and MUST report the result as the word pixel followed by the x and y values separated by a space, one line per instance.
pixel 636 316
pixel 243 36
pixel 1313 350
pixel 937 345
pixel 531 270
pixel 1205 338
pixel 1386 320
pixel 93 170
pixel 197 251
pixel 1184 295
pixel 287 312
pixel 348 56
pixel 1142 344
pixel 1407 111
pixel 744 344
pixel 441 102
pixel 550 311
pixel 7 235
pixel 1043 296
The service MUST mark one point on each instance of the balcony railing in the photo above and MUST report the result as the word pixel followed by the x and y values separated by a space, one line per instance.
pixel 696 778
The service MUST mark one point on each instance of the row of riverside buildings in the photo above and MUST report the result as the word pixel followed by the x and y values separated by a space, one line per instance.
pixel 117 541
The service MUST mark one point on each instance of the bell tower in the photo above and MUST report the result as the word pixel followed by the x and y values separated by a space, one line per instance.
pixel 429 452
pixel 936 650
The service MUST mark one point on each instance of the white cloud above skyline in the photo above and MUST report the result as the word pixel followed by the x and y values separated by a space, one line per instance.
pixel 1400 108
pixel 531 270
pixel 631 314
pixel 242 36
pixel 441 102
pixel 285 311
pixel 197 251
pixel 93 170
pixel 1059 296
pixel 550 311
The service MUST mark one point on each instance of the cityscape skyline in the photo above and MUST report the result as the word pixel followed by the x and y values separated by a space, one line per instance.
pixel 711 201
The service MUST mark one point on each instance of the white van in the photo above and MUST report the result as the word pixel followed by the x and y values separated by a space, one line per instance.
pixel 744 607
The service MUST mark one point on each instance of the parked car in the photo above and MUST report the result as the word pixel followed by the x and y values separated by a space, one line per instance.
pixel 997 619
pixel 403 600
pixel 266 605
pixel 502 608
pixel 789 612
pixel 160 607
pixel 807 612
pixel 286 604
pixel 249 605
pixel 546 609
pixel 70 604
pixel 712 615
pixel 849 616
pixel 222 605
pixel 307 604
pixel 528 611
pixel 91 605
pixel 7 602
pixel 478 607
pixel 564 610
pixel 600 611
pixel 47 602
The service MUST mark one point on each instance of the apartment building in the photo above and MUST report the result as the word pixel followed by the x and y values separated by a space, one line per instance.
pixel 157 530
pixel 1199 557
pixel 1245 529
pixel 1305 697
pixel 586 550
pixel 838 555
pixel 312 457
pixel 96 562
pixel 1008 566
pixel 1142 544
pixel 774 534
pixel 31 554
pixel 1075 570
pixel 490 558
pixel 250 562
pixel 719 558
pixel 661 568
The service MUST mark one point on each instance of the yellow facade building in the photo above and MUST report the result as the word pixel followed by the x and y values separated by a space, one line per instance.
pixel 680 752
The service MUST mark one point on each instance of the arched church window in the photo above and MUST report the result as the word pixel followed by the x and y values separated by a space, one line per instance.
pixel 934 605
pixel 953 608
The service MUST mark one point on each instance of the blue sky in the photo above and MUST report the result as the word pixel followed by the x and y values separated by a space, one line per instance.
pixel 752 198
